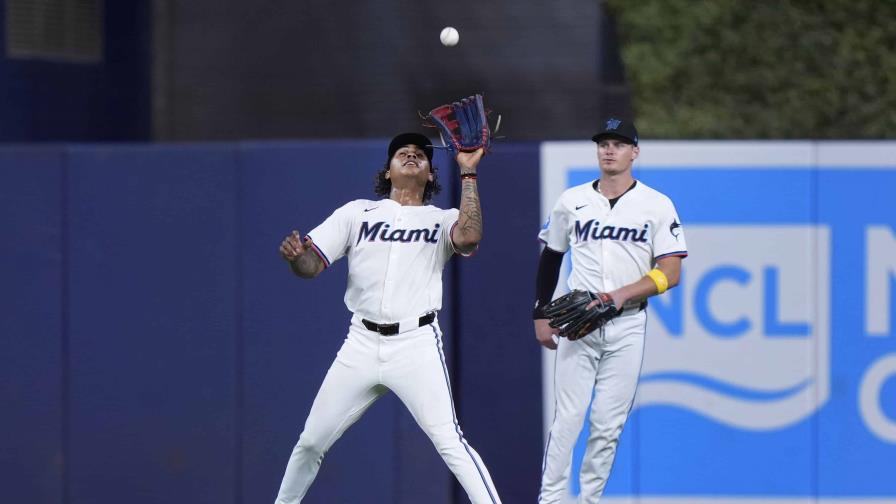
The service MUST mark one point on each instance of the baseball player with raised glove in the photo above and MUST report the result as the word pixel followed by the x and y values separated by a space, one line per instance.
pixel 396 248
pixel 626 245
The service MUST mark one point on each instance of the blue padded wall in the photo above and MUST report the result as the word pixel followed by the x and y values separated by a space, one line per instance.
pixel 500 390
pixel 161 350
pixel 32 363
pixel 152 311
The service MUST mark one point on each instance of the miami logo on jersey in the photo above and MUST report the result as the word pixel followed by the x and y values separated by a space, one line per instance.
pixel 591 230
pixel 380 231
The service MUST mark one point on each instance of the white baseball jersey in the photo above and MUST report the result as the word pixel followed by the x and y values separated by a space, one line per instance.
pixel 395 259
pixel 613 247
pixel 395 256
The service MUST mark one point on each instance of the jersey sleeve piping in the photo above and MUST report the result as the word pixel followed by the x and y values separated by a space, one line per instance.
pixel 679 253
pixel 319 252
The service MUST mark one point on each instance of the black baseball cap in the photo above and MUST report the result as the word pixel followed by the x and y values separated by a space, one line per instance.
pixel 411 139
pixel 618 128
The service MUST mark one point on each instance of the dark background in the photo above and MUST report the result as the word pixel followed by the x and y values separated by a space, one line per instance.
pixel 53 94
pixel 230 69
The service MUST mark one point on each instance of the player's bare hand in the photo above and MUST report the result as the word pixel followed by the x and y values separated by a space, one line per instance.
pixel 293 246
pixel 545 334
pixel 468 161
pixel 617 298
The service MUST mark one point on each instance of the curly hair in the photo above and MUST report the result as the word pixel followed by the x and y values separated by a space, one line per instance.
pixel 383 186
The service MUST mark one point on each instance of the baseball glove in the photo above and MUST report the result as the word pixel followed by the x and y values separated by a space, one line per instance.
pixel 462 125
pixel 571 315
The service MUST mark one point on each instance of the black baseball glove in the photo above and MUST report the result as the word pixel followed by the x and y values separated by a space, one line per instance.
pixel 462 124
pixel 570 313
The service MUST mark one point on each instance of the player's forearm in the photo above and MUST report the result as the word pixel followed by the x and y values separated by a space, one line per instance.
pixel 645 287
pixel 638 291
pixel 468 232
pixel 307 265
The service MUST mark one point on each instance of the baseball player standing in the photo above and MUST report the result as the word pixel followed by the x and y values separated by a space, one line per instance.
pixel 626 241
pixel 396 249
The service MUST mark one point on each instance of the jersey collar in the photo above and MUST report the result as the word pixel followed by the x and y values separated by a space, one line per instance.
pixel 616 199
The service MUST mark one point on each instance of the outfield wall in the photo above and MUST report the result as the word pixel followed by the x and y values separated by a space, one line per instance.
pixel 154 346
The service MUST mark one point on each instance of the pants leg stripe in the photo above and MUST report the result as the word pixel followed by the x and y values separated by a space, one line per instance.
pixel 438 341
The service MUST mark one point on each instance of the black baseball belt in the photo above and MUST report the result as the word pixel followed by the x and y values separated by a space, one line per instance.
pixel 392 329
pixel 629 310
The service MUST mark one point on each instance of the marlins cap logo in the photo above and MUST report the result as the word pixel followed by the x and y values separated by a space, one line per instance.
pixel 613 124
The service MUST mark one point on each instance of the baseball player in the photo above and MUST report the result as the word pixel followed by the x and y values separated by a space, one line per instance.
pixel 627 242
pixel 396 249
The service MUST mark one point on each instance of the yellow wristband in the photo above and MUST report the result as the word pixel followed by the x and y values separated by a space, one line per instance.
pixel 659 278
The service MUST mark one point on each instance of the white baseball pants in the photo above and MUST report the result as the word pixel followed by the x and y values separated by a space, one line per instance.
pixel 411 364
pixel 607 362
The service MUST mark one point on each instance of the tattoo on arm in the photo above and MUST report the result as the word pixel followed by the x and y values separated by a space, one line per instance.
pixel 307 265
pixel 469 223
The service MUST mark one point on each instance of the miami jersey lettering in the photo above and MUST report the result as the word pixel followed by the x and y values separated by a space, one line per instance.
pixel 381 231
pixel 593 230
pixel 613 246
pixel 413 242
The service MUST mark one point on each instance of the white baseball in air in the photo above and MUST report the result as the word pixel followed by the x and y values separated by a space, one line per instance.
pixel 449 36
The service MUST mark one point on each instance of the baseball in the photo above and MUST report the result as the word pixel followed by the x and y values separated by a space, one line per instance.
pixel 449 36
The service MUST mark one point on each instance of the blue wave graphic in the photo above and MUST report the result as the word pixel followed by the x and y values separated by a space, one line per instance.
pixel 726 388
